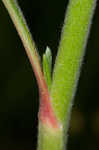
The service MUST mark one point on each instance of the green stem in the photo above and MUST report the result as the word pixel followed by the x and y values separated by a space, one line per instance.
pixel 46 115
pixel 66 71
pixel 55 107
pixel 71 51
pixel 50 138
pixel 24 33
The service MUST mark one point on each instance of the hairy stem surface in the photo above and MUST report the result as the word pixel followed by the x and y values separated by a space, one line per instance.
pixel 66 71
pixel 70 54
pixel 55 106
pixel 24 33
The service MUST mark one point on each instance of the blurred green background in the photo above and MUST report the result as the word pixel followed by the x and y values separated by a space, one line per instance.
pixel 19 97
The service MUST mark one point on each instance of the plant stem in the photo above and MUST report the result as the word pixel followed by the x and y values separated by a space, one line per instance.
pixel 71 51
pixel 46 115
pixel 66 71
pixel 56 105
pixel 24 33
pixel 50 138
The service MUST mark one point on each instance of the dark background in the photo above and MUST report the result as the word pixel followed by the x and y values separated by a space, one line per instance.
pixel 18 87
